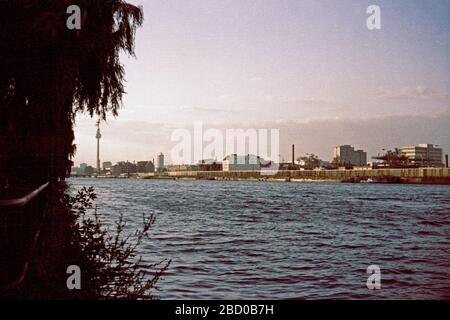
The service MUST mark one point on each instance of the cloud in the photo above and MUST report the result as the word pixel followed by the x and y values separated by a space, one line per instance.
pixel 132 140
pixel 255 79
pixel 370 134
pixel 224 97
pixel 205 110
pixel 297 100
pixel 418 92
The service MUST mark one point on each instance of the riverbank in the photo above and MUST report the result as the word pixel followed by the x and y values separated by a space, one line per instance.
pixel 411 176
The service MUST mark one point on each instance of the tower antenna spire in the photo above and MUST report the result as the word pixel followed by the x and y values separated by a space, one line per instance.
pixel 98 136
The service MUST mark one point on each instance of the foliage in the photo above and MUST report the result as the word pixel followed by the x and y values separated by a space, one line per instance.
pixel 109 262
pixel 396 159
pixel 310 161
pixel 49 73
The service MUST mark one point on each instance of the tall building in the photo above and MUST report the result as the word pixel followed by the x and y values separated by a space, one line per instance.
pixel 98 136
pixel 426 155
pixel 346 154
pixel 160 163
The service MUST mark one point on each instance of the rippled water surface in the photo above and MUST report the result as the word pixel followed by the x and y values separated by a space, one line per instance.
pixel 250 240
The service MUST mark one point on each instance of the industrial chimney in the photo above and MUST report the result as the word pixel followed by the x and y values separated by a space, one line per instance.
pixel 446 160
pixel 293 154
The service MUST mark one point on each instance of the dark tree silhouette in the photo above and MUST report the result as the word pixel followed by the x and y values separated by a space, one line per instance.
pixel 49 73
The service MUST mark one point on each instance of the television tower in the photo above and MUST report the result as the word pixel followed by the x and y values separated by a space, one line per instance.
pixel 98 136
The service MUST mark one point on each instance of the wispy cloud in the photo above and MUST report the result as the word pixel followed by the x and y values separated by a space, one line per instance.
pixel 205 110
pixel 140 140
pixel 225 97
pixel 417 92
pixel 297 100
pixel 255 79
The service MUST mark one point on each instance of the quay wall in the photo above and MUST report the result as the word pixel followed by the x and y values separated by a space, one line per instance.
pixel 415 175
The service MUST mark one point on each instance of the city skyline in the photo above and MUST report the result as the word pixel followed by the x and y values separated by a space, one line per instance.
pixel 342 154
pixel 310 68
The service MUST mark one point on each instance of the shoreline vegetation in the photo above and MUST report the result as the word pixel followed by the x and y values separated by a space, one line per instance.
pixel 112 269
pixel 409 176
pixel 74 235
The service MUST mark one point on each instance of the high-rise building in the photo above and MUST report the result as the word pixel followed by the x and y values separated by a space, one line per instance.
pixel 346 154
pixel 427 155
pixel 160 163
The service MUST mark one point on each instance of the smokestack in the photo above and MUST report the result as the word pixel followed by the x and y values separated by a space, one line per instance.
pixel 293 154
pixel 446 160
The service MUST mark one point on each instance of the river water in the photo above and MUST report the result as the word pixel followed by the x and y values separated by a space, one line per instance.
pixel 269 240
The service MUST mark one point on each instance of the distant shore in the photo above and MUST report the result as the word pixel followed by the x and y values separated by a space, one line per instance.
pixel 410 176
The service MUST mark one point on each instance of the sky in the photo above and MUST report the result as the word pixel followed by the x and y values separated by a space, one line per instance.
pixel 310 68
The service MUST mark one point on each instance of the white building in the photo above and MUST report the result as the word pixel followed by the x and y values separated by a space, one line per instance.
pixel 160 163
pixel 234 162
pixel 424 154
pixel 346 154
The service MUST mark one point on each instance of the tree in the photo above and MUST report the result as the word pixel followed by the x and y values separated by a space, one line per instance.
pixel 313 161
pixel 49 73
pixel 396 159
pixel 310 161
